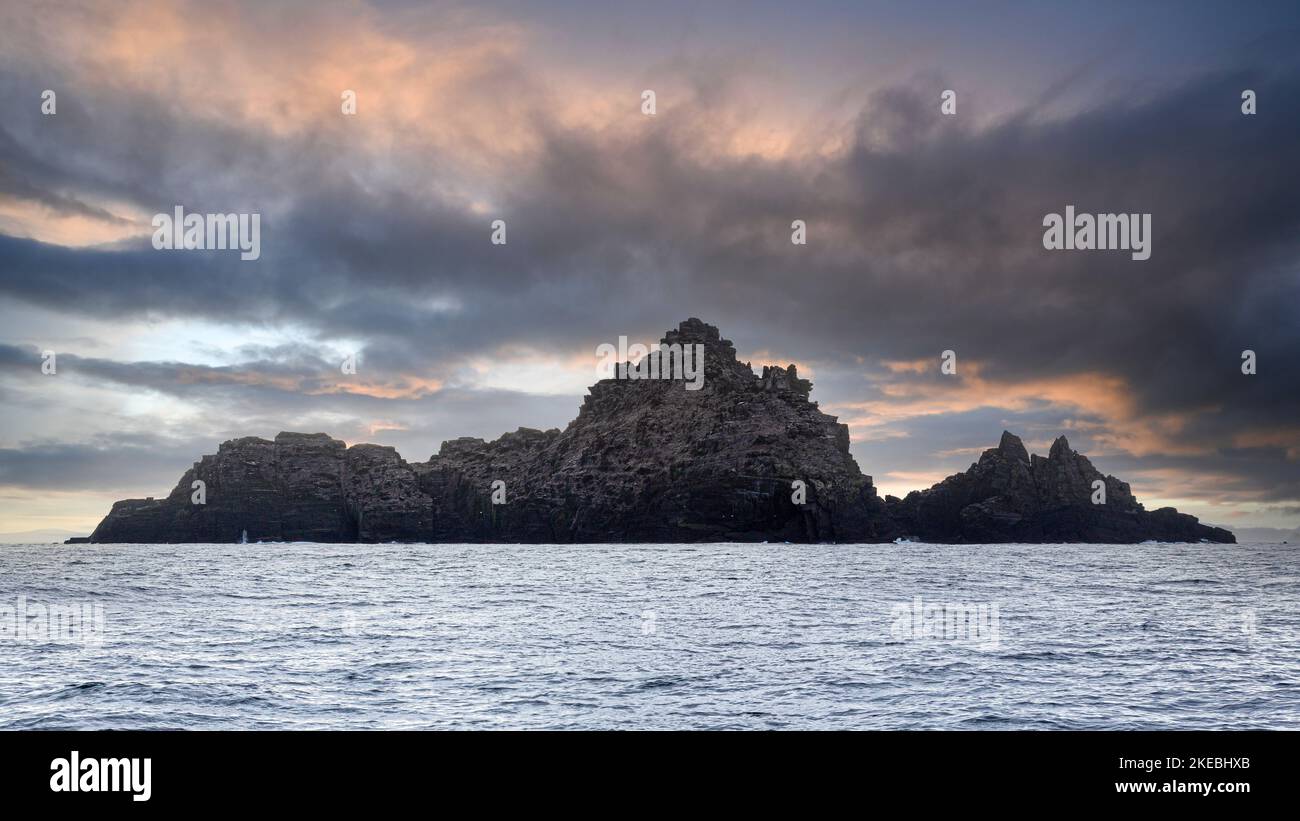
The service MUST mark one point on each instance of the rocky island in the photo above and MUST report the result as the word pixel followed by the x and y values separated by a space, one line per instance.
pixel 644 461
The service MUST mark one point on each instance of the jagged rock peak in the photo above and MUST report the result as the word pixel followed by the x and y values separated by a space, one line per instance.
pixel 1009 497
pixel 776 378
pixel 1061 447
pixel 694 330
pixel 1012 447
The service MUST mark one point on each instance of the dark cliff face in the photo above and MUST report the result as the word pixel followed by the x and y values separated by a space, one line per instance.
pixel 645 460
pixel 300 487
pixel 1010 496
pixel 651 460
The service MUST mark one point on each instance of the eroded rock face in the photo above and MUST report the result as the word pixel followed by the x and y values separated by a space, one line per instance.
pixel 382 496
pixel 644 461
pixel 1009 496
pixel 300 487
pixel 650 460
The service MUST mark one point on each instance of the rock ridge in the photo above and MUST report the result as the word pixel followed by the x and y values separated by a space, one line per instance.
pixel 644 460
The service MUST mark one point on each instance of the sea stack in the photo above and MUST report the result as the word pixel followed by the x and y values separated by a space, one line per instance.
pixel 1010 496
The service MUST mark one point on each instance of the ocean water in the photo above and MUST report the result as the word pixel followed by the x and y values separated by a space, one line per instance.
pixel 650 636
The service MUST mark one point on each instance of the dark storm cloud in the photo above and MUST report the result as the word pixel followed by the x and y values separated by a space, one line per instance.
pixel 295 369
pixel 108 463
pixel 924 235
pixel 921 219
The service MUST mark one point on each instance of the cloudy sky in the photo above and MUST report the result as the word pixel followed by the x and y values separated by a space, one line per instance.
pixel 924 230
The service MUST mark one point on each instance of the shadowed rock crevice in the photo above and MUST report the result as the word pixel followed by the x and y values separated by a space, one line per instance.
pixel 644 461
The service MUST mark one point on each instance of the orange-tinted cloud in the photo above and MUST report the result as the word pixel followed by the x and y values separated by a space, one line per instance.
pixel 911 389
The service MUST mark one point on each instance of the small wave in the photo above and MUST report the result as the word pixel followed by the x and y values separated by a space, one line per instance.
pixel 1044 655
pixel 76 690
pixel 1281 581
pixel 986 720
pixel 662 682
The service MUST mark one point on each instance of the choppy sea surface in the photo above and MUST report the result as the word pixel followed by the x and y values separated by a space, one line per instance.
pixel 224 636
